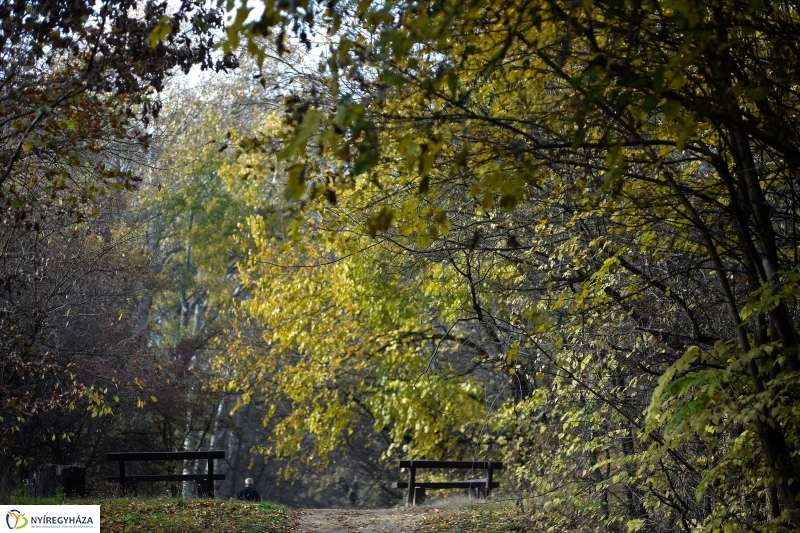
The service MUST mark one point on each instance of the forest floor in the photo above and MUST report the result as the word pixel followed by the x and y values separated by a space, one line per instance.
pixel 460 518
pixel 397 520
pixel 201 515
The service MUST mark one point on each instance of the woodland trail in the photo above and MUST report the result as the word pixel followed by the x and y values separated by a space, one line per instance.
pixel 396 520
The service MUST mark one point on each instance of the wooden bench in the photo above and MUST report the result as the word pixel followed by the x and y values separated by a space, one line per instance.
pixel 416 489
pixel 209 478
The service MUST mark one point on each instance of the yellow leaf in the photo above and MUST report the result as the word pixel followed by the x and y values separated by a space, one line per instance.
pixel 160 32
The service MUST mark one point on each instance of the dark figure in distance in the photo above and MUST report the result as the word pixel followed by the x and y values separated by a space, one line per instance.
pixel 248 493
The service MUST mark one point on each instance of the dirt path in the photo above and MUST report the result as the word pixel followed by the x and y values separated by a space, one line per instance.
pixel 397 520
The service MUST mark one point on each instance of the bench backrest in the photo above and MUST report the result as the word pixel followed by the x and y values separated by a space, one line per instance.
pixel 164 456
pixel 433 463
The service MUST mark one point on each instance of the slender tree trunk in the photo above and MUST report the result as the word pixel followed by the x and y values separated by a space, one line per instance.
pixel 776 451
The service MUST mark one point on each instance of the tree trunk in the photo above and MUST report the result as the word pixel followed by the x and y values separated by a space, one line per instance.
pixel 71 479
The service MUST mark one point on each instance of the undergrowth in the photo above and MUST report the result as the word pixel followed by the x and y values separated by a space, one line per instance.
pixel 180 515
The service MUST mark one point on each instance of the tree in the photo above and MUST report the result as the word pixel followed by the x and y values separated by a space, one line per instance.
pixel 78 91
pixel 199 187
pixel 65 58
pixel 332 346
pixel 632 166
pixel 67 331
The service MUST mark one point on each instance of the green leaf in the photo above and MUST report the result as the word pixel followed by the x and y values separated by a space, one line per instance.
pixel 380 221
pixel 366 161
pixel 295 185
pixel 308 126
pixel 160 32
pixel 513 354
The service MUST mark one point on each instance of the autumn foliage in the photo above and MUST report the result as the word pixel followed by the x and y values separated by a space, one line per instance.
pixel 592 207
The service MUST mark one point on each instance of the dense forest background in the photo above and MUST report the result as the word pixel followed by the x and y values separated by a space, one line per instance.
pixel 327 236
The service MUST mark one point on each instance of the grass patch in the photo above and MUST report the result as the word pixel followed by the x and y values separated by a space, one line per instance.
pixel 179 515
pixel 176 515
pixel 478 518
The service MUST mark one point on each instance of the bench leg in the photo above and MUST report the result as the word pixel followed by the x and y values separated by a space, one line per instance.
pixel 210 486
pixel 419 495
pixel 122 478
pixel 411 482
pixel 476 491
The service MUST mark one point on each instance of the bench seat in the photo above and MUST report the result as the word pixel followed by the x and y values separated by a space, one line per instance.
pixel 466 484
pixel 136 478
